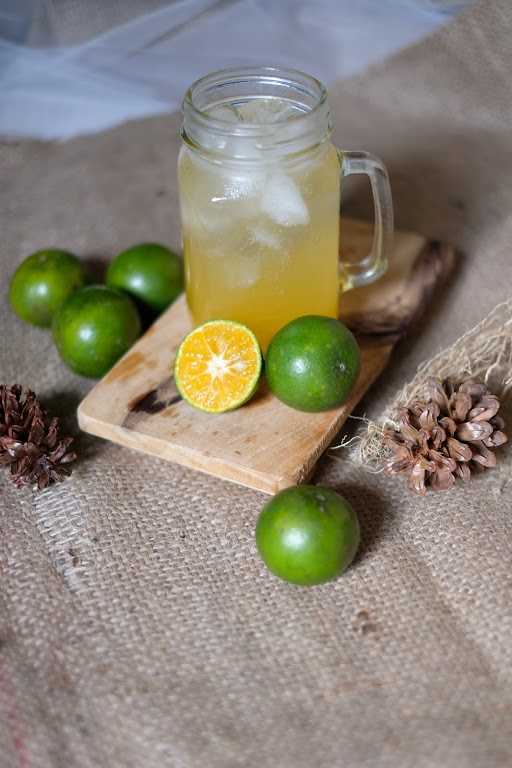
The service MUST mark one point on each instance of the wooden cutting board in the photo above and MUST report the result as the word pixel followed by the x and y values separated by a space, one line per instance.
pixel 264 445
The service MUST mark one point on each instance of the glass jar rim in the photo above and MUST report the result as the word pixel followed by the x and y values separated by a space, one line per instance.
pixel 309 127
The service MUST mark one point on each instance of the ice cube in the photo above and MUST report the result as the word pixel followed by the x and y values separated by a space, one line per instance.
pixel 282 201
pixel 230 197
pixel 241 185
pixel 262 235
pixel 229 143
pixel 216 196
pixel 265 111
pixel 226 112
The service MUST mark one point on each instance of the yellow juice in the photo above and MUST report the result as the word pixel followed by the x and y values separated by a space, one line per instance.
pixel 260 238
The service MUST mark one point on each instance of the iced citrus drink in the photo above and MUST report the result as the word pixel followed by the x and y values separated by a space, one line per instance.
pixel 260 236
pixel 259 183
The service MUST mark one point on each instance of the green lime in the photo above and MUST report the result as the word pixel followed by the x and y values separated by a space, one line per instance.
pixel 307 535
pixel 150 273
pixel 42 282
pixel 312 363
pixel 93 328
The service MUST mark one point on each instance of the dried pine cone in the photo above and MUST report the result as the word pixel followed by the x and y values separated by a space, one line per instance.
pixel 448 436
pixel 30 440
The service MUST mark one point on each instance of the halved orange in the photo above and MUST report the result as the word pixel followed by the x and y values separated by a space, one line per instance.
pixel 218 366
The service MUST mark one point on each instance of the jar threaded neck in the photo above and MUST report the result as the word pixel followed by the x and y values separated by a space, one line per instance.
pixel 305 124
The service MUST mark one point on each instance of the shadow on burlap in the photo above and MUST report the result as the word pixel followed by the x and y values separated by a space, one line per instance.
pixel 137 624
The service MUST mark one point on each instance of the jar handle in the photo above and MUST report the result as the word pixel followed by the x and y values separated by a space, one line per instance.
pixel 375 263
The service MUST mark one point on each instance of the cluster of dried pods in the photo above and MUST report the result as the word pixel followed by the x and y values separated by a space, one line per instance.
pixel 447 436
pixel 31 443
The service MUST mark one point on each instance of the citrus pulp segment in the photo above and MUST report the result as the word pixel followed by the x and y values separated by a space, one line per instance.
pixel 218 366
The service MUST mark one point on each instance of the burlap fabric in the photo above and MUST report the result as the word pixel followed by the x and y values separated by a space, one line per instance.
pixel 137 626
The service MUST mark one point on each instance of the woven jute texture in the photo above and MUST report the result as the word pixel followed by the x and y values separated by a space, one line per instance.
pixel 138 628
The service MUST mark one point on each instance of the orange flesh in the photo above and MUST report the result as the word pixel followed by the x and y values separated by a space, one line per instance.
pixel 218 366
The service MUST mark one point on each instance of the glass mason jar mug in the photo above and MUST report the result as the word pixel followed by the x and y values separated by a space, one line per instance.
pixel 259 183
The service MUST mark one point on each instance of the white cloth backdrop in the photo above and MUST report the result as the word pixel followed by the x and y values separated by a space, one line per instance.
pixel 78 66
